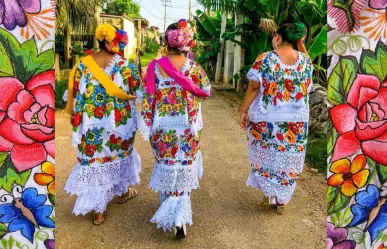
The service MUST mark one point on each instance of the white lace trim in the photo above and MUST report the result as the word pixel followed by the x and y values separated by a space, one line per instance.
pixel 279 116
pixel 174 211
pixel 167 178
pixel 277 161
pixel 96 185
pixel 143 129
pixel 116 58
pixel 254 75
pixel 282 193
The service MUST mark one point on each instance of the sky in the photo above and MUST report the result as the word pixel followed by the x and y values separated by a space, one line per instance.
pixel 153 11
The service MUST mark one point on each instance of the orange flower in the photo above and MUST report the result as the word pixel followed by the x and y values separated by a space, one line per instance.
pixel 285 182
pixel 256 166
pixel 350 176
pixel 265 174
pixel 256 134
pixel 286 95
pixel 301 148
pixel 382 246
pixel 290 136
pixel 47 177
pixel 273 88
pixel 303 87
pixel 293 175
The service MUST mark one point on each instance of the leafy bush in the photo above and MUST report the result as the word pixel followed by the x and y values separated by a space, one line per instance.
pixel 77 49
pixel 316 153
pixel 60 88
pixel 151 46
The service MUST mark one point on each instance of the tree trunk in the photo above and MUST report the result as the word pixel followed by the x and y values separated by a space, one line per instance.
pixel 67 45
pixel 238 55
pixel 97 18
pixel 219 61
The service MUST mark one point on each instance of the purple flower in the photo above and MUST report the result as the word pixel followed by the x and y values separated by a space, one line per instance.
pixel 337 238
pixel 49 243
pixel 13 12
pixel 378 4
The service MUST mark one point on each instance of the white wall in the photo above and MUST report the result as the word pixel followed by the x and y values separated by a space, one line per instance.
pixel 132 45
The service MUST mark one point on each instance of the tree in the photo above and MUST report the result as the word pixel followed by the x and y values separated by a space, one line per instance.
pixel 123 7
pixel 75 14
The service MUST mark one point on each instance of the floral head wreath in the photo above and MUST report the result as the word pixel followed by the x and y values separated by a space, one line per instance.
pixel 115 39
pixel 183 37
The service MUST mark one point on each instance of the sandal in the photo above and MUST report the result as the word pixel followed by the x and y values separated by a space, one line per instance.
pixel 280 209
pixel 98 222
pixel 181 232
pixel 129 195
pixel 266 202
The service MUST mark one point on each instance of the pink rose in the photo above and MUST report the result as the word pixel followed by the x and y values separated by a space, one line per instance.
pixel 27 119
pixel 362 122
pixel 177 38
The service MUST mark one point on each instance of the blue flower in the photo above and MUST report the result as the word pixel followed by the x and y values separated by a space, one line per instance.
pixel 299 137
pixel 27 213
pixel 270 126
pixel 122 46
pixel 185 148
pixel 93 136
pixel 99 96
pixel 79 104
pixel 115 69
pixel 366 201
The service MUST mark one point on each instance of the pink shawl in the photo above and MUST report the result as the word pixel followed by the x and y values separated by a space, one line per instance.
pixel 173 72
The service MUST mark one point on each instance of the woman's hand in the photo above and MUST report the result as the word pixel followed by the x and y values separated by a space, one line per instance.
pixel 244 119
pixel 143 73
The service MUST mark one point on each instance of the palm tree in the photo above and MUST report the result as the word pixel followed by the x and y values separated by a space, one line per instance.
pixel 79 15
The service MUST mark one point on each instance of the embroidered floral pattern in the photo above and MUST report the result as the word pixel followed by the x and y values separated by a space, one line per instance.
pixel 189 143
pixel 282 178
pixel 116 143
pixel 165 143
pixel 91 142
pixel 279 136
pixel 281 83
pixel 105 159
pixel 171 101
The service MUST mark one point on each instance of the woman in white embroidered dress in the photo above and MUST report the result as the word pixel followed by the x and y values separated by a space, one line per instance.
pixel 275 112
pixel 104 127
pixel 171 119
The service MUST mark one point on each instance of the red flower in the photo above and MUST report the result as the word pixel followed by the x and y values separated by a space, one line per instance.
pixel 125 144
pixel 27 119
pixel 186 73
pixel 148 115
pixel 99 111
pixel 266 91
pixel 299 95
pixel 289 85
pixel 156 137
pixel 113 139
pixel 89 52
pixel 117 116
pixel 77 119
pixel 293 127
pixel 182 25
pixel 159 95
pixel 280 136
pixel 279 95
pixel 174 151
pixel 76 86
pixel 362 121
pixel 120 63
pixel 106 159
pixel 90 149
pixel 128 107
pixel 194 78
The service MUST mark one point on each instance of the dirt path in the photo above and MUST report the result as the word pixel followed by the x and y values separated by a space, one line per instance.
pixel 227 214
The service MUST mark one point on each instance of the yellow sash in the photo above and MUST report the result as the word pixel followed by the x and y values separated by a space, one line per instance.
pixel 101 77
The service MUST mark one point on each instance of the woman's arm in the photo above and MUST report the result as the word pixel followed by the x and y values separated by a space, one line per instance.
pixel 251 94
pixel 301 46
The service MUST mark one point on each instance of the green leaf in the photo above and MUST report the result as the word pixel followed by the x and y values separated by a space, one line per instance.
pixel 9 174
pixel 332 141
pixel 341 80
pixel 5 63
pixel 26 60
pixel 206 22
pixel 319 45
pixel 52 199
pixel 382 173
pixel 374 63
pixel 3 230
pixel 336 200
pixel 4 243
pixel 11 241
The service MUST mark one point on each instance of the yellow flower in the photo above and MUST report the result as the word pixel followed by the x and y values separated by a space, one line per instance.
pixel 349 176
pixel 105 32
pixel 100 160
pixel 165 92
pixel 164 108
pixel 114 157
pixel 124 112
pixel 176 107
pixel 77 76
pixel 178 93
pixel 115 49
pixel 83 144
pixel 273 88
pixel 168 153
pixel 290 136
pixel 127 73
pixel 90 108
pixel 286 95
pixel 109 106
pixel 47 177
pixel 90 90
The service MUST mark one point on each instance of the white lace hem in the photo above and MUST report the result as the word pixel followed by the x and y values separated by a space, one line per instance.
pixel 96 185
pixel 174 211
pixel 167 178
pixel 270 189
pixel 143 129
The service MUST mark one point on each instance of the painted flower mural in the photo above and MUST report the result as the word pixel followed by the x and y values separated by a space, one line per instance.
pixel 357 144
pixel 27 152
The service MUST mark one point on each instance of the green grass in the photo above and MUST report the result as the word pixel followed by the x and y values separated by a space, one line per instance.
pixel 147 58
pixel 60 88
pixel 316 153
